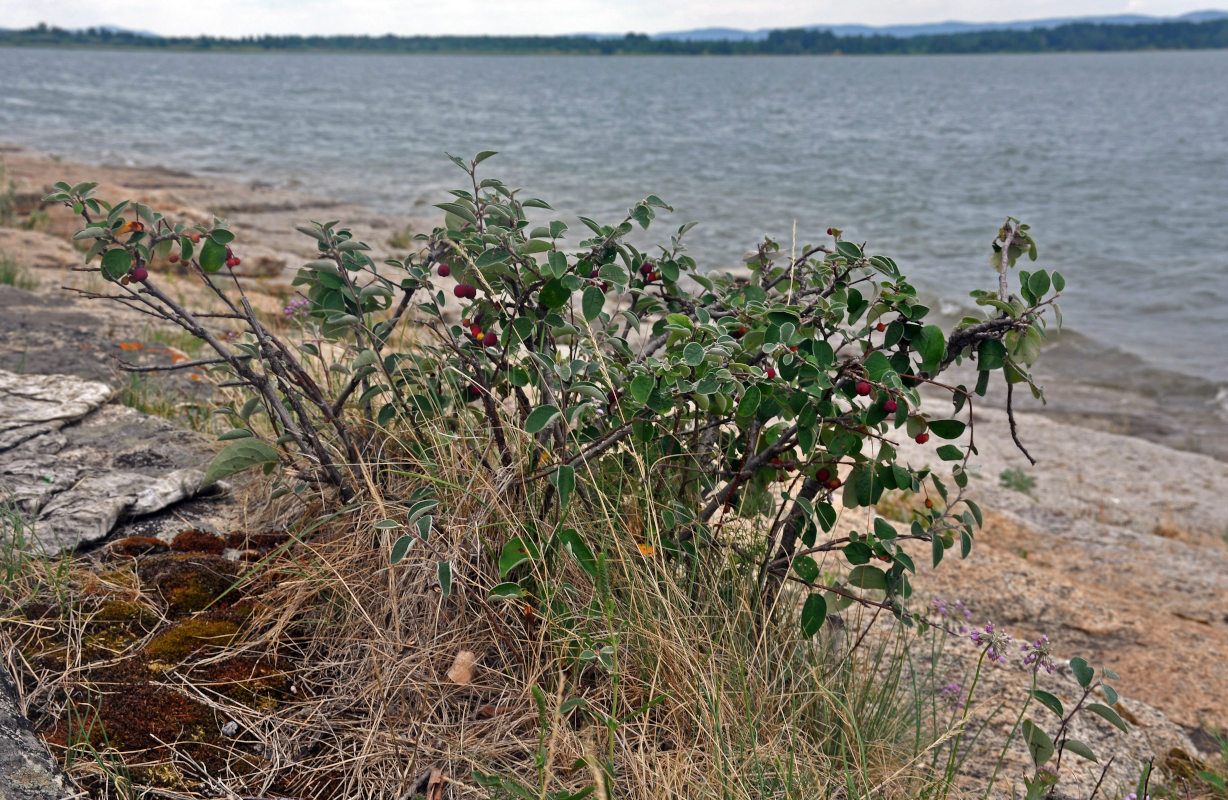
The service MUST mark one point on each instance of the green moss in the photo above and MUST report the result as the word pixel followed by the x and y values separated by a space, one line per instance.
pixel 191 583
pixel 188 637
pixel 122 611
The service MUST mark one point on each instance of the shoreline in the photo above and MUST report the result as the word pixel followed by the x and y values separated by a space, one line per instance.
pixel 1174 410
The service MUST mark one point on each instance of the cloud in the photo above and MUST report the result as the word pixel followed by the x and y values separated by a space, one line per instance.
pixel 407 17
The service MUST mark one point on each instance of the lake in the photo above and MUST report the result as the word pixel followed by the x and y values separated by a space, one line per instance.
pixel 1118 161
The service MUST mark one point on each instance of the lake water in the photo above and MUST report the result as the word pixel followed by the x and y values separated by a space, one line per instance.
pixel 1118 161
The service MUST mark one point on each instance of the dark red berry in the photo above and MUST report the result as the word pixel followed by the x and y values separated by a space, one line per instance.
pixel 831 232
pixel 880 327
pixel 922 438
pixel 173 258
pixel 863 388
pixel 738 332
pixel 646 269
pixel 594 273
pixel 490 339
pixel 771 373
pixel 475 390
pixel 823 475
pixel 139 274
pixel 465 290
pixel 890 406
pixel 444 270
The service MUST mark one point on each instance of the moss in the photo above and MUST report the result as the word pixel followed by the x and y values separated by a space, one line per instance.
pixel 134 546
pixel 242 540
pixel 188 637
pixel 195 541
pixel 192 583
pixel 123 611
pixel 253 683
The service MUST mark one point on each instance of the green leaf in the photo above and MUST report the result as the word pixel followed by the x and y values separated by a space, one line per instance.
pixel 949 452
pixel 1038 283
pixel 1049 701
pixel 947 428
pixel 235 433
pixel 400 548
pixel 574 544
pixel 848 250
pixel 540 418
pixel 554 294
pixel 750 401
pixel 516 552
pixel 564 480
pixel 507 591
pixel 693 354
pixel 482 156
pixel 1059 283
pixel 444 570
pixel 462 210
pixel 236 457
pixel 1038 742
pixel 387 524
pixel 991 354
pixel 641 388
pixel 1083 673
pixel 419 508
pixel 806 568
pixel 592 303
pixel 814 613
pixel 1079 749
pixel 1109 714
pixel 1110 693
pixel 212 256
pixel 931 346
pixel 867 577
pixel 116 263
pixel 221 236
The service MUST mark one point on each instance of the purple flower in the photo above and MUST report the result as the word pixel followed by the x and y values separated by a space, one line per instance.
pixel 954 694
pixel 1038 655
pixel 296 308
pixel 996 643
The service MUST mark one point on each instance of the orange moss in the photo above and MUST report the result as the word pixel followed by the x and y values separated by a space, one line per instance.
pixel 134 546
pixel 253 683
pixel 194 541
pixel 242 540
pixel 188 637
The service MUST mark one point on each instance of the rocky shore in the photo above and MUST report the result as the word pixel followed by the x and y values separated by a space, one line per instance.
pixel 1114 546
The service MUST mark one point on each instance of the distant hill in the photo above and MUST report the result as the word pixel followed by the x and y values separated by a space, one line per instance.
pixel 934 28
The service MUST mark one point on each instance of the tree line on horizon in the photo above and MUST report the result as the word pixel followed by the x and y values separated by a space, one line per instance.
pixel 1077 36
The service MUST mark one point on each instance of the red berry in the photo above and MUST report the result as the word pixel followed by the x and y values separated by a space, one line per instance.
pixel 490 339
pixel 793 349
pixel 173 258
pixel 476 330
pixel 237 261
pixel 880 327
pixel 646 269
pixel 834 483
pixel 890 406
pixel 739 332
pixel 464 290
pixel 863 388
pixel 929 503
pixel 922 437
pixel 823 475
pixel 139 274
pixel 475 390
pixel 195 238
pixel 594 273
pixel 831 232
pixel 444 270
pixel 771 372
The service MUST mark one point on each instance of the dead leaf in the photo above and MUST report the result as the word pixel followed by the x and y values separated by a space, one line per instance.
pixel 434 787
pixel 461 672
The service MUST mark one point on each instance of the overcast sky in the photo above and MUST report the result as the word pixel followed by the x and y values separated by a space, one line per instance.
pixel 406 17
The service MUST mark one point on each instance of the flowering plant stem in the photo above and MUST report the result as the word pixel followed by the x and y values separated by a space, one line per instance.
pixel 1010 737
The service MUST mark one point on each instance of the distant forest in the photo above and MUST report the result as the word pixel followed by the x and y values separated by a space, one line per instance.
pixel 1079 36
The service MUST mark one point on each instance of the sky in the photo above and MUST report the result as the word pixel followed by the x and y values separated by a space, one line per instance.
pixel 434 17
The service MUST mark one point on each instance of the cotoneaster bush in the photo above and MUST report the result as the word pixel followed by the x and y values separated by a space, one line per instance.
pixel 778 397
pixel 749 408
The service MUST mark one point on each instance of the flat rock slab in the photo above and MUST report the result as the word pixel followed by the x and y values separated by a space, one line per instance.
pixel 32 405
pixel 75 467
pixel 27 770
